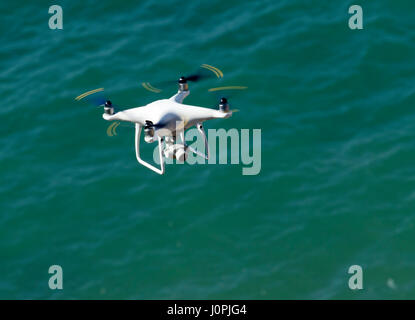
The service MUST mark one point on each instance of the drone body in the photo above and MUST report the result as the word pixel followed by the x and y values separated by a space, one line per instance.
pixel 168 114
pixel 164 121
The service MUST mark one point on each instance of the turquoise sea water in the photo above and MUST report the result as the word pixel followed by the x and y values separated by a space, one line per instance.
pixel 337 184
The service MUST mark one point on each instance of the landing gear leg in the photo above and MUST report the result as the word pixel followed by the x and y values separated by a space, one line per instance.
pixel 202 132
pixel 137 151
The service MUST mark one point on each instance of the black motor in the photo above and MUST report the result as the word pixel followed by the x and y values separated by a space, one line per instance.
pixel 223 105
pixel 183 86
pixel 108 108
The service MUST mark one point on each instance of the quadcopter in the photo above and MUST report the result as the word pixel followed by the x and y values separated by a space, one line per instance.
pixel 165 120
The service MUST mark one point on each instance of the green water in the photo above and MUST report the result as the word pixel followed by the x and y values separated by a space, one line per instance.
pixel 336 187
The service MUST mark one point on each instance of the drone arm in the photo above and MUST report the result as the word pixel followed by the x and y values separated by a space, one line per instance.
pixel 137 152
pixel 180 95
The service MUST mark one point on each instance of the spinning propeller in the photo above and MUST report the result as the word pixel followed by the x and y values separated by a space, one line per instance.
pixel 102 102
pixel 204 72
pixel 98 99
pixel 223 94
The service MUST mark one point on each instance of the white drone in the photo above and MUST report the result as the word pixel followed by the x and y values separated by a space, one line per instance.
pixel 166 119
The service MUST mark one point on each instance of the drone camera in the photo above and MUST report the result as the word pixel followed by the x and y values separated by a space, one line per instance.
pixel 108 108
pixel 224 105
pixel 176 151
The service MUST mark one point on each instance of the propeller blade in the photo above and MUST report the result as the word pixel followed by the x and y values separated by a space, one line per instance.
pixel 96 98
pixel 193 77
pixel 226 92
pixel 158 87
pixel 97 101
pixel 112 128
pixel 204 72
pixel 85 94
pixel 227 88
